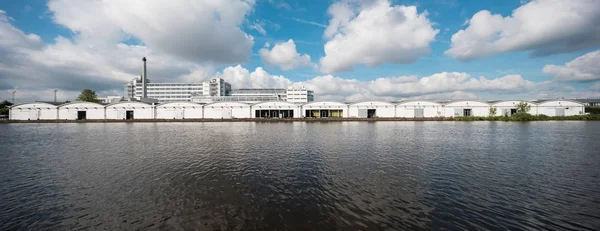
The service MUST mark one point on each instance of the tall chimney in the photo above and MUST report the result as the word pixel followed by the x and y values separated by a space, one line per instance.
pixel 144 80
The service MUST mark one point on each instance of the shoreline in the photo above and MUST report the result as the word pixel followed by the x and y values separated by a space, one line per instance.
pixel 275 120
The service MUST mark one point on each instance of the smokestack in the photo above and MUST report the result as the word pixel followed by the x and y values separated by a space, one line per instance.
pixel 144 80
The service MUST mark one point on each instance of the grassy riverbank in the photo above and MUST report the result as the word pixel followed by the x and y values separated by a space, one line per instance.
pixel 527 117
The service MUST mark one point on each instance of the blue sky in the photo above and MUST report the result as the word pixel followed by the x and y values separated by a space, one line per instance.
pixel 71 31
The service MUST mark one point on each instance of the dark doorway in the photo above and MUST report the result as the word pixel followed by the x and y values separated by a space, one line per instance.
pixel 513 111
pixel 274 113
pixel 81 115
pixel 467 112
pixel 371 113
pixel 128 115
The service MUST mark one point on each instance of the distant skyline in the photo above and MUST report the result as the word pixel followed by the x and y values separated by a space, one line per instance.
pixel 348 50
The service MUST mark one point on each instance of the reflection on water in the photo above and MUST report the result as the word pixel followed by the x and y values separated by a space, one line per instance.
pixel 342 175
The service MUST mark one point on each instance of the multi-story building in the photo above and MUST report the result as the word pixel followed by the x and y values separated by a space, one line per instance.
pixel 110 99
pixel 255 95
pixel 170 92
pixel 299 95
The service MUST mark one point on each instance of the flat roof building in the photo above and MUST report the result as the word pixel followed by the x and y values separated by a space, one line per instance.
pixel 174 92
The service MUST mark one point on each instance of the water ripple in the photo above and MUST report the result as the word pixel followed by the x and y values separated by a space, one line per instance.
pixel 301 176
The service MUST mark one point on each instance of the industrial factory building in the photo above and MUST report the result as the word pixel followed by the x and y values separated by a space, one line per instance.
pixel 257 95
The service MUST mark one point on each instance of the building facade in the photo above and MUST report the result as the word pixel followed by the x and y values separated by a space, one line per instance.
pixel 256 95
pixel 175 92
pixel 280 109
pixel 299 95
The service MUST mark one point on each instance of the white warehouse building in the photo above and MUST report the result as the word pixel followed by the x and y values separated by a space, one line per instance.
pixel 127 110
pixel 179 110
pixel 81 111
pixel 33 111
pixel 276 109
pixel 372 109
pixel 466 108
pixel 560 108
pixel 508 108
pixel 419 109
pixel 226 110
pixel 325 109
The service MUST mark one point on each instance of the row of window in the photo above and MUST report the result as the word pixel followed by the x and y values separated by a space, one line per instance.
pixel 170 89
pixel 171 85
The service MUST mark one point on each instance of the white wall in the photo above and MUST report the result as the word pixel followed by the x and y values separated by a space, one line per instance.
pixel 141 110
pixel 430 109
pixel 226 110
pixel 179 110
pixel 571 108
pixel 34 111
pixel 477 108
pixel 382 109
pixel 325 105
pixel 69 111
pixel 505 107
pixel 276 106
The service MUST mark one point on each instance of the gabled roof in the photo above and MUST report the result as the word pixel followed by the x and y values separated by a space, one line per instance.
pixel 19 104
pixel 125 102
pixel 76 102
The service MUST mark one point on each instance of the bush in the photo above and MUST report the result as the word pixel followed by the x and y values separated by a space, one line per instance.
pixel 592 110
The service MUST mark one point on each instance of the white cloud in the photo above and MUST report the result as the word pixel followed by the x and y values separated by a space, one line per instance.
pixel 583 68
pixel 199 31
pixel 542 26
pixel 309 22
pixel 280 4
pixel 284 56
pixel 445 85
pixel 240 77
pixel 373 34
pixel 36 68
pixel 257 26
pixel 455 95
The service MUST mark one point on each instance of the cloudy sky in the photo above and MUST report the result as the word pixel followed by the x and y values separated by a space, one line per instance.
pixel 344 50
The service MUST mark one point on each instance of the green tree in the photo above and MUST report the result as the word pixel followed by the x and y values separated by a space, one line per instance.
pixel 4 107
pixel 88 95
pixel 492 111
pixel 523 107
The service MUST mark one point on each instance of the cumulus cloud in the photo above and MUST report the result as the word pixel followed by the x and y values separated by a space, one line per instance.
pixel 36 69
pixel 284 56
pixel 583 68
pixel 240 77
pixel 374 33
pixel 200 31
pixel 445 85
pixel 543 27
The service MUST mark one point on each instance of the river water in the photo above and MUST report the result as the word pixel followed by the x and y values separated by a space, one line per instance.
pixel 300 176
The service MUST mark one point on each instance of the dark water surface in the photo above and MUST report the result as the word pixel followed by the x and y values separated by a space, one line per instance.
pixel 301 176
